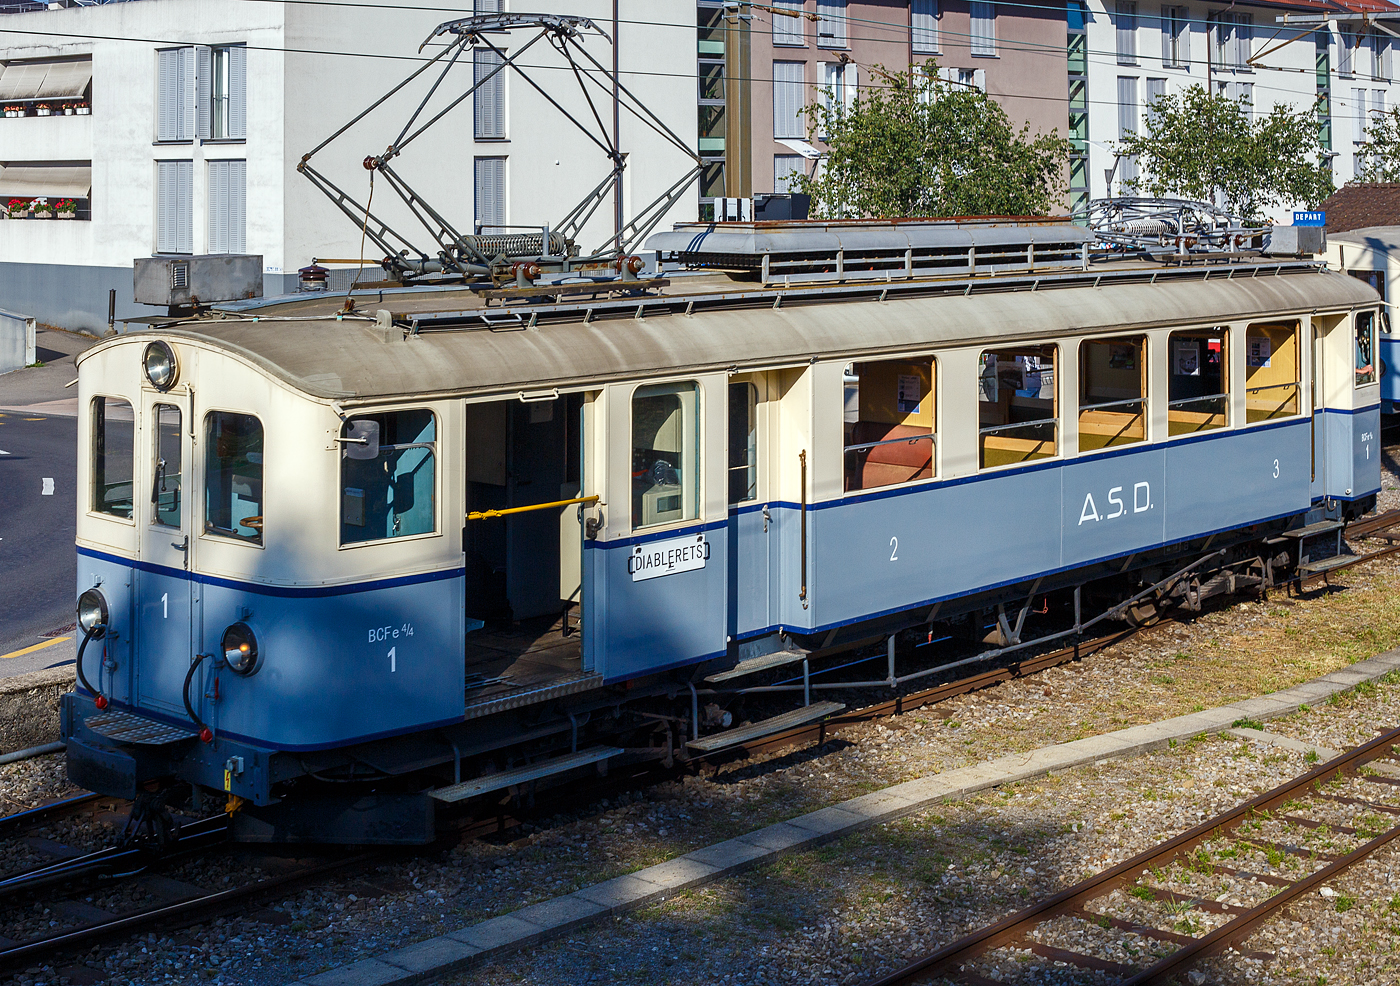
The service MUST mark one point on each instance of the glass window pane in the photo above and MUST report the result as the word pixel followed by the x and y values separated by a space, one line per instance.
pixel 665 454
pixel 1271 370
pixel 388 482
pixel 1016 405
pixel 165 474
pixel 233 475
pixel 113 455
pixel 889 415
pixel 1198 386
pixel 1112 392
pixel 1365 348
pixel 743 442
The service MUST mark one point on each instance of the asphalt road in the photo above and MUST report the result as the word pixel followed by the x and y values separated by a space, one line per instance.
pixel 38 567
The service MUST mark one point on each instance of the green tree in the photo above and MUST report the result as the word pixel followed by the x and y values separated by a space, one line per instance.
pixel 1380 153
pixel 1206 147
pixel 912 144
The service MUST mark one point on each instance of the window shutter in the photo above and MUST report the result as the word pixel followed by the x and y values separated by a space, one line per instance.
pixel 1183 37
pixel 168 94
pixel 204 87
pixel 238 207
pixel 831 23
pixel 979 79
pixel 1125 16
pixel 789 30
pixel 852 85
pixel 490 205
pixel 488 102
pixel 238 92
pixel 217 196
pixel 187 94
pixel 165 206
pixel 185 203
pixel 924 26
pixel 1166 25
pixel 788 99
pixel 1358 98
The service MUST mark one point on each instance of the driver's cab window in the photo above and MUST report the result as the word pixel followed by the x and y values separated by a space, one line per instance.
pixel 165 467
pixel 113 448
pixel 387 476
pixel 1365 348
pixel 665 454
pixel 233 476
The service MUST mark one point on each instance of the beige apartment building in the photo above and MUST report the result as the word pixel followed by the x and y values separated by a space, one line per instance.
pixel 760 65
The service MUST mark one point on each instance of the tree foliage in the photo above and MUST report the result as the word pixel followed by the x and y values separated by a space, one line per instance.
pixel 1202 146
pixel 912 144
pixel 1379 155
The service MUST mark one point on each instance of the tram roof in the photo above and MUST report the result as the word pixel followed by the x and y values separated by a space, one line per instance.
pixel 350 361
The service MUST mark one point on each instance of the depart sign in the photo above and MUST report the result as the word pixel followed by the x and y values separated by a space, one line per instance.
pixel 1310 219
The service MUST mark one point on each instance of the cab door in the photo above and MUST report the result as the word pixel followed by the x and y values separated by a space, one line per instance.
pixel 752 534
pixel 164 600
pixel 1318 394
pixel 655 559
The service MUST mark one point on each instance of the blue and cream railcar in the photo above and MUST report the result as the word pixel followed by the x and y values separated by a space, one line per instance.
pixel 454 538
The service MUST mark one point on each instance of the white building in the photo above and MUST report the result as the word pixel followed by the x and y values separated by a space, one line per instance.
pixel 1324 55
pixel 201 110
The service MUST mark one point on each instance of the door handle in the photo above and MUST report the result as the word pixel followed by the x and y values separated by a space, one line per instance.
pixel 184 546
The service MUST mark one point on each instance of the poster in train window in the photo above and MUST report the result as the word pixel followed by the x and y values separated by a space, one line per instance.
pixel 1260 351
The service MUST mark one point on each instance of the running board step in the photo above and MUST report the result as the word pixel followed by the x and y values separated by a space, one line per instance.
pixel 755 664
pixel 523 775
pixel 757 730
pixel 1325 565
pixel 1312 530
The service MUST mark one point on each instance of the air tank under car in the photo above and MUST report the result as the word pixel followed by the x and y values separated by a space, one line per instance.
pixel 353 570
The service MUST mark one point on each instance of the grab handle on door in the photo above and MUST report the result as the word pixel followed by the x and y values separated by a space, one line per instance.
pixel 184 546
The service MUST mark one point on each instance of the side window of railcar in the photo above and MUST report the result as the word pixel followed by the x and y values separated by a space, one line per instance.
pixel 743 442
pixel 233 476
pixel 1271 371
pixel 165 467
pixel 388 481
pixel 889 414
pixel 1198 388
pixel 665 454
pixel 113 456
pixel 1365 348
pixel 1017 405
pixel 1112 392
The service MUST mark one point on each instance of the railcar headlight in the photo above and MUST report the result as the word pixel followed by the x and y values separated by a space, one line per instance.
pixel 161 368
pixel 241 648
pixel 92 613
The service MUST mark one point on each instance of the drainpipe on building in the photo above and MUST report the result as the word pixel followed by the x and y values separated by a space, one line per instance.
pixel 738 98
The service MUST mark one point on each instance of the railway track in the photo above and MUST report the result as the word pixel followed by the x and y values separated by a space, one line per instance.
pixel 1331 815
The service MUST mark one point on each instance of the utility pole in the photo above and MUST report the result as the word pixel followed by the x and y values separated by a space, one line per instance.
pixel 738 102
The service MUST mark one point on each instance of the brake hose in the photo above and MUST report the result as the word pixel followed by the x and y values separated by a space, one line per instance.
pixel 101 701
pixel 205 733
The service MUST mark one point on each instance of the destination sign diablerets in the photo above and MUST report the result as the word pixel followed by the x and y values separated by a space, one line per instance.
pixel 658 558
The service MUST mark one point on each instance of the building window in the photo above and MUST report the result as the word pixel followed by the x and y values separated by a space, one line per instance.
pixel 1128 118
pixel 1156 89
pixel 984 28
pixel 786 167
pixel 1176 38
pixel 388 479
pixel 1365 348
pixel 489 100
pixel 166 469
pixel 1238 92
pixel 788 98
pixel 174 207
pixel 839 86
pixel 1112 392
pixel 490 198
pixel 1125 20
pixel 1198 387
pixel 1017 409
pixel 222 76
pixel 1346 51
pixel 228 196
pixel 175 87
pixel 1380 56
pixel 788 23
pixel 831 23
pixel 1271 371
pixel 665 454
pixel 1234 34
pixel 113 454
pixel 743 442
pixel 923 26
pixel 890 413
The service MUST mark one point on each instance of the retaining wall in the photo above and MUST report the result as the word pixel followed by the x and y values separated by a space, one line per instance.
pixel 29 707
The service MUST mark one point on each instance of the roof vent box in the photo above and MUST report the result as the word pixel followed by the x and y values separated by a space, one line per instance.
pixel 179 282
pixel 1294 241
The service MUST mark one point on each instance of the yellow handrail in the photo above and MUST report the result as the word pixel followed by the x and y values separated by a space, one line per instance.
pixel 488 514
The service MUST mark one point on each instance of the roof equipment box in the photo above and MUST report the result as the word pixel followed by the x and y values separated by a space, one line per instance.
pixel 179 282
